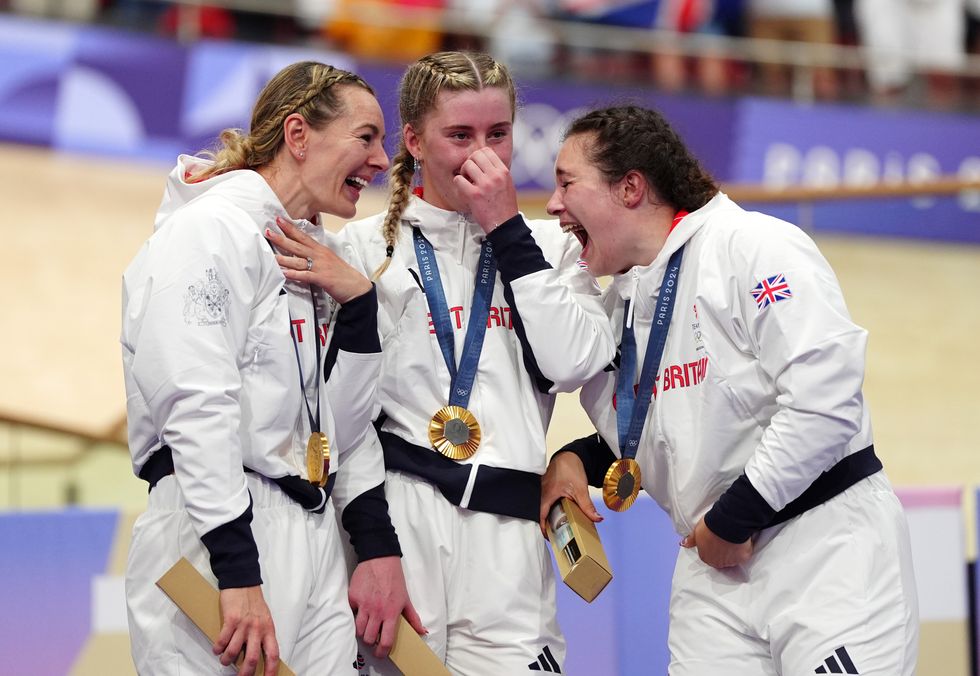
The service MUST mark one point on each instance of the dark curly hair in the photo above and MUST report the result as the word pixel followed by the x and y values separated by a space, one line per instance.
pixel 627 138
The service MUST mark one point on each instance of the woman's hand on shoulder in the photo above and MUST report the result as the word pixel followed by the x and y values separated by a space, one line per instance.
pixel 306 260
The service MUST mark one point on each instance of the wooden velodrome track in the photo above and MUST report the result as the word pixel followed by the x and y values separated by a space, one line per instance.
pixel 71 224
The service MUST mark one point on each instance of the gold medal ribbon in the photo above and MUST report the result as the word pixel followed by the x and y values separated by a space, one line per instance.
pixel 317 446
pixel 622 481
pixel 453 430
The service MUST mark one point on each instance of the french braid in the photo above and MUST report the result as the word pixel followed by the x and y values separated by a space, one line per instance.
pixel 400 186
pixel 307 88
pixel 417 93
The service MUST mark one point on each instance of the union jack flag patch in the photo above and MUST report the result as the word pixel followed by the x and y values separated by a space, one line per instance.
pixel 771 290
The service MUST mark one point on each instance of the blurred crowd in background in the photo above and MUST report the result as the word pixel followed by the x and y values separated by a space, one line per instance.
pixel 890 52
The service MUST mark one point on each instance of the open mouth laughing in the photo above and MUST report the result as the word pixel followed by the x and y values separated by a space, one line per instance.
pixel 578 231
pixel 356 182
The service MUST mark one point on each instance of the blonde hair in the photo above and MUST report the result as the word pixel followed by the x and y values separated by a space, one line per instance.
pixel 306 88
pixel 417 93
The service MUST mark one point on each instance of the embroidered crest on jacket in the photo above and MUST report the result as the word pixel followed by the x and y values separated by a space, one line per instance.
pixel 205 301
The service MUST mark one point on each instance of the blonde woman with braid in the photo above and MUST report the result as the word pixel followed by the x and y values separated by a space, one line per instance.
pixel 249 391
pixel 484 317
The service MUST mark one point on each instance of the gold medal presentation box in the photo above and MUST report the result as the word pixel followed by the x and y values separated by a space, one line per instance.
pixel 194 595
pixel 581 559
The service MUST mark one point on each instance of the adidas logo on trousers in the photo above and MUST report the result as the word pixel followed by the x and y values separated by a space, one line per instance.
pixel 546 662
pixel 841 664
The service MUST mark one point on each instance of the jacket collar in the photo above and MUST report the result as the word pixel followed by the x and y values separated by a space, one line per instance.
pixel 445 230
pixel 646 278
pixel 244 187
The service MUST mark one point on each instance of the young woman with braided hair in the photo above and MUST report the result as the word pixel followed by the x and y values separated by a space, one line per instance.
pixel 249 393
pixel 736 403
pixel 484 316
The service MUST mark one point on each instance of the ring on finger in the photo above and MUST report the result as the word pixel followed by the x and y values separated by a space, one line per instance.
pixel 309 263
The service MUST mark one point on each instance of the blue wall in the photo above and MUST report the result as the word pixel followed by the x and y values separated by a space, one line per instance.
pixel 48 560
pixel 96 90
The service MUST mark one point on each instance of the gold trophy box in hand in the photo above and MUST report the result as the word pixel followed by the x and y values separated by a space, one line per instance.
pixel 194 595
pixel 575 541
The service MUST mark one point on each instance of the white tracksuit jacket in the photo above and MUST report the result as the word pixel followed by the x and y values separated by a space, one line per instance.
pixel 547 333
pixel 769 390
pixel 210 366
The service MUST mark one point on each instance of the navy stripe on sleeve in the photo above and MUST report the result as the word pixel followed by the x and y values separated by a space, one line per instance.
pixel 367 522
pixel 542 383
pixel 741 511
pixel 234 554
pixel 595 454
pixel 516 251
pixel 355 329
pixel 518 254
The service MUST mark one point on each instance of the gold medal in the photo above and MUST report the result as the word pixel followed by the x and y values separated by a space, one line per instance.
pixel 318 459
pixel 622 484
pixel 454 432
